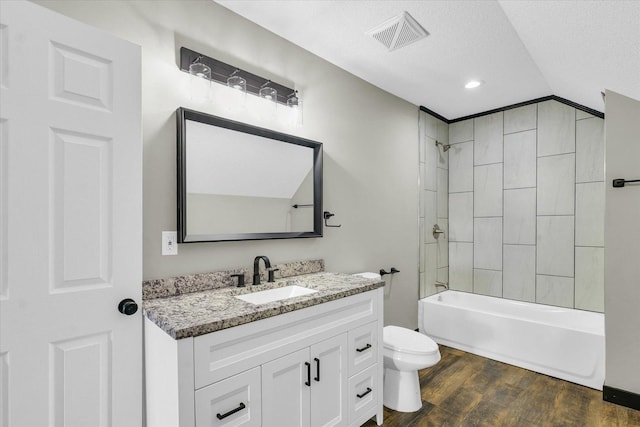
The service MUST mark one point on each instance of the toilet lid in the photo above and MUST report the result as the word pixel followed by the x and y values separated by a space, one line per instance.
pixel 406 340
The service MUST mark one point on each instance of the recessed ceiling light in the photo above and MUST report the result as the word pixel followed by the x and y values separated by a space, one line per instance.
pixel 474 84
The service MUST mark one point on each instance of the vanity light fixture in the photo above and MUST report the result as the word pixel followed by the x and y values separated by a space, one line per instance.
pixel 268 93
pixel 236 82
pixel 239 79
pixel 472 84
pixel 295 104
pixel 238 93
pixel 200 83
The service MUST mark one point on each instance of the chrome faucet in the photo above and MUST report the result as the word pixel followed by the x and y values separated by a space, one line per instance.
pixel 267 266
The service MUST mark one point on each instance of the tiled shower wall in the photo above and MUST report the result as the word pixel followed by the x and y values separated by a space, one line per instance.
pixel 434 204
pixel 526 206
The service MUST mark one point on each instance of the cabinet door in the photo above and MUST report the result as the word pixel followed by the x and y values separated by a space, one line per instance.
pixel 329 404
pixel 231 402
pixel 285 393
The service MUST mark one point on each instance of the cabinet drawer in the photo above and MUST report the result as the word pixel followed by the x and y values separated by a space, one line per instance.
pixel 235 401
pixel 363 393
pixel 363 347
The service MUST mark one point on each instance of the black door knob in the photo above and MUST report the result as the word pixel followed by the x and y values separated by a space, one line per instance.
pixel 127 306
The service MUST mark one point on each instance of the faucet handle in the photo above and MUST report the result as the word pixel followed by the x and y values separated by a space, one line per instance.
pixel 240 279
pixel 270 272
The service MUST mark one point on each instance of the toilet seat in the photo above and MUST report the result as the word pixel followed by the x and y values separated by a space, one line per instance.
pixel 407 341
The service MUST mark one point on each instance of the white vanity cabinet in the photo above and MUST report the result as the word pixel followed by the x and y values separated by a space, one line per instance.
pixel 317 366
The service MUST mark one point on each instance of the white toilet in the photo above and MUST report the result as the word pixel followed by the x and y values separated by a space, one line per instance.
pixel 404 353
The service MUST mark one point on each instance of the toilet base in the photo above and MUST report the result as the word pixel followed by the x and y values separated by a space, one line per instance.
pixel 401 390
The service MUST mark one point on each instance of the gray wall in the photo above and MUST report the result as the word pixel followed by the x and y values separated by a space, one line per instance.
pixel 370 144
pixel 526 206
pixel 622 291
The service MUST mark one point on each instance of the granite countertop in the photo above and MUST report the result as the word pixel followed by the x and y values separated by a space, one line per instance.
pixel 199 313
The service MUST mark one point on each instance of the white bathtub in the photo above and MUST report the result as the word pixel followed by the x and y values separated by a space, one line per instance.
pixel 556 341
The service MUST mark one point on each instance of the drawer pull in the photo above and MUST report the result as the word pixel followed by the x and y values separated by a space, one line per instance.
pixel 308 382
pixel 365 393
pixel 366 347
pixel 231 412
pixel 317 377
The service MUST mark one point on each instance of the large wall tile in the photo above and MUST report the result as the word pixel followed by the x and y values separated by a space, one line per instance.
pixel 487 139
pixel 555 245
pixel 431 126
pixel 556 185
pixel 553 290
pixel 519 272
pixel 421 228
pixel 423 288
pixel 461 167
pixel 580 115
pixel 461 131
pixel 443 275
pixel 430 215
pixel 487 243
pixel 590 279
pixel 590 150
pixel 487 282
pixel 520 216
pixel 590 214
pixel 520 159
pixel 556 128
pixel 461 217
pixel 430 165
pixel 443 193
pixel 443 136
pixel 487 183
pixel 521 118
pixel 461 266
pixel 430 264
pixel 443 244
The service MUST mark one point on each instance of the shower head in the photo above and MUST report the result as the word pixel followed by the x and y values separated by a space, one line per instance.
pixel 445 147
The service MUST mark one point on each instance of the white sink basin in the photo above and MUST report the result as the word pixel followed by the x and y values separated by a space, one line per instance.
pixel 276 294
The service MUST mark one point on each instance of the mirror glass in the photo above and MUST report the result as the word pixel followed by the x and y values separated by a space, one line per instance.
pixel 241 182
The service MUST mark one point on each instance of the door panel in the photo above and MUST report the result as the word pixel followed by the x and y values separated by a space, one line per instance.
pixel 285 396
pixel 80 370
pixel 328 389
pixel 70 226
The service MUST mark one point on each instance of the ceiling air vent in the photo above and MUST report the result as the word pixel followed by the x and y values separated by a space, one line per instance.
pixel 399 31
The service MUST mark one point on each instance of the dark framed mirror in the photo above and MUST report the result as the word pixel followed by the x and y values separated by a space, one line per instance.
pixel 242 182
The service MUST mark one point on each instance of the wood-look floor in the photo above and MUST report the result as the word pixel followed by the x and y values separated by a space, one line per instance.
pixel 469 390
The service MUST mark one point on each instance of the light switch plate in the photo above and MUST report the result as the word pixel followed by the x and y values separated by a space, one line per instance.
pixel 169 243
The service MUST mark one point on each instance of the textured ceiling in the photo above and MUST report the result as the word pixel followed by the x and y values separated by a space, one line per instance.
pixel 521 49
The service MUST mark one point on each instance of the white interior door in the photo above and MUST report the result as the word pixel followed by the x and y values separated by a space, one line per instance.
pixel 70 228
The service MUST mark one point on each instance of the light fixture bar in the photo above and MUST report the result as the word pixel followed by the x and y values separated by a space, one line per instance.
pixel 221 71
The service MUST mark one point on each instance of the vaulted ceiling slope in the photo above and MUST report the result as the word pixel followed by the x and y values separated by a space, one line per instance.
pixel 522 50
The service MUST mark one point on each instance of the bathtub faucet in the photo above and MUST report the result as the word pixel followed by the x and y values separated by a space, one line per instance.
pixel 442 284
